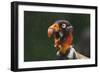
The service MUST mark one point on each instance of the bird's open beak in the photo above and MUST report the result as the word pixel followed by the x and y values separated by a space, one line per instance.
pixel 50 32
pixel 52 29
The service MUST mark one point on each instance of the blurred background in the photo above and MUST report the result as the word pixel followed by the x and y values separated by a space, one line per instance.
pixel 37 45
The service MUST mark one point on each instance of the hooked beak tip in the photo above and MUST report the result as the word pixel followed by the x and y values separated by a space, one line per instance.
pixel 50 32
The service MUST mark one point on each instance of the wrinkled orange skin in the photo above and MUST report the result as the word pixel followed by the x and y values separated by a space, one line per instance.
pixel 63 46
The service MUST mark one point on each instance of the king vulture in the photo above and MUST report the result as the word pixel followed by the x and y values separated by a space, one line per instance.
pixel 62 32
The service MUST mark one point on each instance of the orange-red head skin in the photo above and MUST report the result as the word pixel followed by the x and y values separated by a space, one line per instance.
pixel 62 46
pixel 52 28
pixel 50 32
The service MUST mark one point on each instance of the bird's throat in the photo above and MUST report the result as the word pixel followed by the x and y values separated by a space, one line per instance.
pixel 66 44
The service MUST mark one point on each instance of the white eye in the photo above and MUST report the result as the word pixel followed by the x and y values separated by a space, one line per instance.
pixel 63 25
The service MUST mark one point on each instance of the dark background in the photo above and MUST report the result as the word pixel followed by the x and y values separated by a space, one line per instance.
pixel 37 45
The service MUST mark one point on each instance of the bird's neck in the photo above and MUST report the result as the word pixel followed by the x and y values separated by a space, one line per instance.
pixel 66 44
pixel 70 54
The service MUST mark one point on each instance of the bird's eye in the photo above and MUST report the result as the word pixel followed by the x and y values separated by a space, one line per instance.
pixel 63 25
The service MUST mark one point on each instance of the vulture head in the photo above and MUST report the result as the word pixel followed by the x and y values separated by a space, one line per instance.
pixel 62 31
